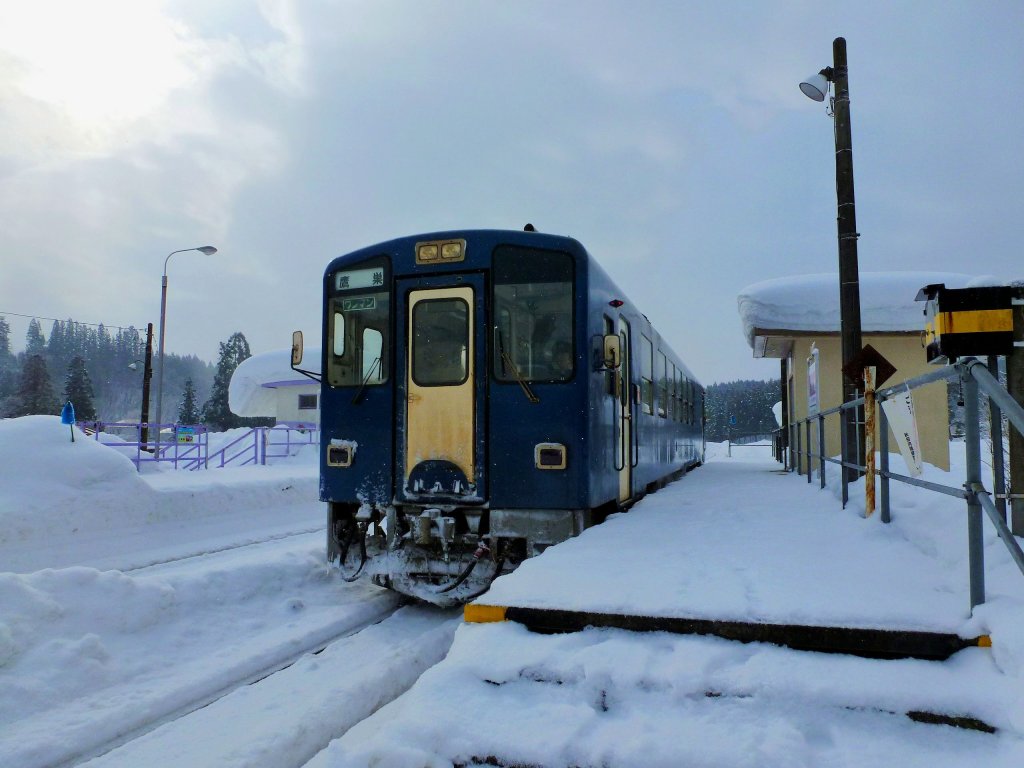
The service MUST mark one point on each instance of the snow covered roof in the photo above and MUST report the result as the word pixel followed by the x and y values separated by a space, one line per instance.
pixel 810 303
pixel 251 391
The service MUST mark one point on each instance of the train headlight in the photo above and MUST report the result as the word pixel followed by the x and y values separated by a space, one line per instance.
pixel 426 253
pixel 439 251
pixel 452 251
pixel 549 456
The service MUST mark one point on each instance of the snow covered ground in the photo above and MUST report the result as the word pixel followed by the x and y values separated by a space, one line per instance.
pixel 734 540
pixel 137 612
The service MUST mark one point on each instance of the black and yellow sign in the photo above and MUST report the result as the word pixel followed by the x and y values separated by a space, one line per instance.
pixel 966 321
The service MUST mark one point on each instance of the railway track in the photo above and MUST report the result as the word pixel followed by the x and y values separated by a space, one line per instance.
pixel 218 550
pixel 91 727
pixel 285 714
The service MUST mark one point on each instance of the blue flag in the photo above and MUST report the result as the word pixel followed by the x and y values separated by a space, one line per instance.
pixel 67 414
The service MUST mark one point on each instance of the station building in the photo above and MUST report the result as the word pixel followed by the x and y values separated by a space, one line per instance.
pixel 797 320
pixel 265 385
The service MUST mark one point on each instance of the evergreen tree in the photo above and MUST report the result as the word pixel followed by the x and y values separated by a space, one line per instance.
pixel 749 403
pixel 216 412
pixel 78 389
pixel 35 342
pixel 35 392
pixel 188 412
pixel 8 367
pixel 5 339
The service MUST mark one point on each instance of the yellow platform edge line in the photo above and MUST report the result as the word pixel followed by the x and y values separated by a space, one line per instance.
pixel 483 614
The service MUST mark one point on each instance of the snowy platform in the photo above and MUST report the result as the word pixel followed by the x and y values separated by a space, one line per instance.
pixel 739 541
pixel 734 541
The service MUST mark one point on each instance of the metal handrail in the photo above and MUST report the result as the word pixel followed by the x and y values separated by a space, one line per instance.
pixel 974 375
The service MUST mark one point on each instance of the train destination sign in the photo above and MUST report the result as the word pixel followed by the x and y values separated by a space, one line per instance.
pixel 358 303
pixel 359 278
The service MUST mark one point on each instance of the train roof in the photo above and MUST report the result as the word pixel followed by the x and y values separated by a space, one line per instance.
pixel 513 236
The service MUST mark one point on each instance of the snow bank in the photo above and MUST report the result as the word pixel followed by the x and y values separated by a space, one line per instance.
pixel 62 500
pixel 811 302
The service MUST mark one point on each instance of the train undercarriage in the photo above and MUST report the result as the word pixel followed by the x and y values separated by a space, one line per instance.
pixel 441 555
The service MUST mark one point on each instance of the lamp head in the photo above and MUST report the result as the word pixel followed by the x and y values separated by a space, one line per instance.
pixel 209 250
pixel 816 86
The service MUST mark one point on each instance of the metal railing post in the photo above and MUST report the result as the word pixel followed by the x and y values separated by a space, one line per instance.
pixel 821 450
pixel 883 449
pixel 972 436
pixel 844 473
pixel 799 450
pixel 809 451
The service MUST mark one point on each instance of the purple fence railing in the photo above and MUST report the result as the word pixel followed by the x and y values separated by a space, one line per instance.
pixel 188 446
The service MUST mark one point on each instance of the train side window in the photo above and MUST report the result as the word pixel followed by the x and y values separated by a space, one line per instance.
pixel 678 392
pixel 339 334
pixel 662 386
pixel 646 374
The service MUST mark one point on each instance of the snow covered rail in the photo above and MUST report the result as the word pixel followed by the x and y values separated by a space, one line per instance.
pixel 86 736
pixel 973 375
pixel 290 714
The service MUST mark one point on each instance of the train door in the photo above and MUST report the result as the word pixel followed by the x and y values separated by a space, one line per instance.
pixel 625 427
pixel 439 443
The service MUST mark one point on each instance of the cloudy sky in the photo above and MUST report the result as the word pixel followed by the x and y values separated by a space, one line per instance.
pixel 670 138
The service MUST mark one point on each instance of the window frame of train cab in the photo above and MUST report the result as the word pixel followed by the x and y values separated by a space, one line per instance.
pixel 420 366
pixel 347 364
pixel 514 269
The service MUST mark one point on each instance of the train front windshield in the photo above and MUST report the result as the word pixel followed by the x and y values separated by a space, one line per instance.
pixel 533 315
pixel 359 317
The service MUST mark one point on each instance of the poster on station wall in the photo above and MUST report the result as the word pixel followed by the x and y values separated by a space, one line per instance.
pixel 899 410
pixel 812 382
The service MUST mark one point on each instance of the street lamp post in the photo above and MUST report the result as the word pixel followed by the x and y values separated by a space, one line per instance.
pixel 816 87
pixel 206 250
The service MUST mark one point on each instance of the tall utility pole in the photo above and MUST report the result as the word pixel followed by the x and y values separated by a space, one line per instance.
pixel 816 88
pixel 147 374
pixel 849 274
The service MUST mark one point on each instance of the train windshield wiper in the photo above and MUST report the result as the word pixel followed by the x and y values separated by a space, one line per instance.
pixel 366 378
pixel 507 361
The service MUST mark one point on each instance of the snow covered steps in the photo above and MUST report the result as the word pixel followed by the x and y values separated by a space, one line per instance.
pixel 881 644
pixel 870 643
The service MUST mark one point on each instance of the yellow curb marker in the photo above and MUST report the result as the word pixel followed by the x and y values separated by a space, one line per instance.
pixel 483 614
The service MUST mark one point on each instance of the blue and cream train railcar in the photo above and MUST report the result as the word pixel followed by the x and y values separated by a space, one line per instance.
pixel 486 394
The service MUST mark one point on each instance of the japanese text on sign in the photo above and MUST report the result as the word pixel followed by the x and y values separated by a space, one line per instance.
pixel 359 278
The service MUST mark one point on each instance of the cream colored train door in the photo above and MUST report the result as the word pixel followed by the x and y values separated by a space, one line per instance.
pixel 440 384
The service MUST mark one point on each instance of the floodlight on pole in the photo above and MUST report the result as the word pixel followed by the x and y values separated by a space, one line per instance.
pixel 206 250
pixel 816 88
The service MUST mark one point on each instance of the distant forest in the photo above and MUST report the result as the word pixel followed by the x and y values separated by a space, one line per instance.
pixel 749 403
pixel 40 379
pixel 37 379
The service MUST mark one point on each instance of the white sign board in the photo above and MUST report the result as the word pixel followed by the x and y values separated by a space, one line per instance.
pixel 899 410
pixel 812 382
